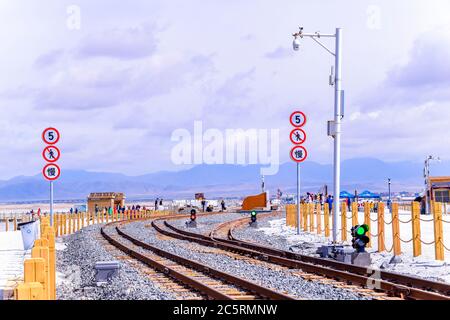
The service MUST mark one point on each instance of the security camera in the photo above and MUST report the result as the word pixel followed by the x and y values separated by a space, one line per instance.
pixel 296 44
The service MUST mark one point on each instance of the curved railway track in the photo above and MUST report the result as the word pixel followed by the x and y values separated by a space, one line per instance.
pixel 375 283
pixel 211 283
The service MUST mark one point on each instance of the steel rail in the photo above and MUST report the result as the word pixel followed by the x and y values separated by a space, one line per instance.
pixel 410 281
pixel 337 270
pixel 210 272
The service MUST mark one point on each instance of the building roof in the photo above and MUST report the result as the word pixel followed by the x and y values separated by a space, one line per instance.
pixel 106 195
pixel 440 179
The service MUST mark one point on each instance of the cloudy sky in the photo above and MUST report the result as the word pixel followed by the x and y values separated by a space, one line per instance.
pixel 118 77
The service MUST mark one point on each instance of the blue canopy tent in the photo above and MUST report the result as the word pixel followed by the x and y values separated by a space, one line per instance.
pixel 346 195
pixel 366 194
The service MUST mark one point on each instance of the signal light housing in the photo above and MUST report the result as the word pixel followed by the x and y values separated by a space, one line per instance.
pixel 253 216
pixel 193 215
pixel 359 237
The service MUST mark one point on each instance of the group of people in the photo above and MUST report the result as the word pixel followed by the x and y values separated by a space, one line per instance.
pixel 118 209
pixel 210 208
pixel 318 198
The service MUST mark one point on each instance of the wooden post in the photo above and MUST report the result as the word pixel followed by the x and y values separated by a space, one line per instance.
pixel 43 252
pixel 381 242
pixel 319 218
pixel 304 210
pixel 291 219
pixel 288 215
pixel 354 214
pixel 344 221
pixel 34 272
pixel 29 291
pixel 438 231
pixel 311 216
pixel 15 223
pixel 7 225
pixel 326 219
pixel 415 212
pixel 396 230
pixel 367 222
pixel 50 236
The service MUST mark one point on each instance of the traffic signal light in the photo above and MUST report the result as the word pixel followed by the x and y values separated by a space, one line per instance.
pixel 193 215
pixel 360 239
pixel 253 216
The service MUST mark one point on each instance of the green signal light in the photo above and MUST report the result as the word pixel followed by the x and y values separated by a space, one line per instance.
pixel 253 213
pixel 360 231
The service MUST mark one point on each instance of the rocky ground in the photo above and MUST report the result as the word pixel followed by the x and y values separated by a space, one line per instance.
pixel 76 257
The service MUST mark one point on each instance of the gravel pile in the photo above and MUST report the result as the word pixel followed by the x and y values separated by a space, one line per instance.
pixel 271 277
pixel 76 257
pixel 207 223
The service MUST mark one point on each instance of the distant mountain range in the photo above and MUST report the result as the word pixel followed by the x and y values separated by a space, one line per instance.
pixel 223 180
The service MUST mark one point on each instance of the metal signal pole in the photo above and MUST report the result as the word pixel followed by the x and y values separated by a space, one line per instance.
pixel 338 110
pixel 298 198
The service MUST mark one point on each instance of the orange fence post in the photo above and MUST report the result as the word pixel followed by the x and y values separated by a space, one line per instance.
pixel 50 236
pixel 288 215
pixel 319 218
pixel 7 225
pixel 344 221
pixel 69 223
pixel 395 230
pixel 326 219
pixel 354 214
pixel 367 221
pixel 381 242
pixel 34 273
pixel 83 217
pixel 311 216
pixel 438 231
pixel 415 212
pixel 43 252
pixel 304 212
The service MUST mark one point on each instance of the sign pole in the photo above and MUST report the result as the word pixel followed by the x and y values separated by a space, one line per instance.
pixel 337 136
pixel 298 198
pixel 51 203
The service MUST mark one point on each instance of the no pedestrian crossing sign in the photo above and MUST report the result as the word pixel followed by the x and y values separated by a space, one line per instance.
pixel 298 136
pixel 51 171
pixel 51 154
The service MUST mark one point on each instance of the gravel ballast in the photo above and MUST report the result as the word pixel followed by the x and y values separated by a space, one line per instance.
pixel 76 258
pixel 268 275
pixel 205 224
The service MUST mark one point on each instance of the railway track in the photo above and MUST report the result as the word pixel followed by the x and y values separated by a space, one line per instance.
pixel 375 283
pixel 209 282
